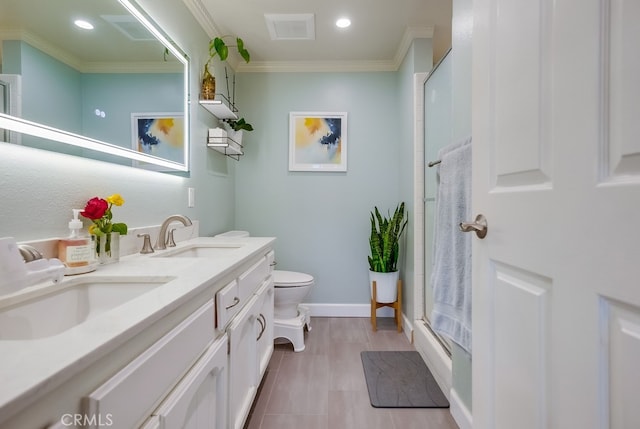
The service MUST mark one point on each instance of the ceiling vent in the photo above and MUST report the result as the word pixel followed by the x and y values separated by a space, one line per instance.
pixel 130 27
pixel 291 26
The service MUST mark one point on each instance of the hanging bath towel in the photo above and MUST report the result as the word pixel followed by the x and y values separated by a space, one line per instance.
pixel 451 271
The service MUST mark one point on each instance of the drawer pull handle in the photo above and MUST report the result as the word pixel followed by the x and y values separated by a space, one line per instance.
pixel 263 325
pixel 236 301
pixel 273 264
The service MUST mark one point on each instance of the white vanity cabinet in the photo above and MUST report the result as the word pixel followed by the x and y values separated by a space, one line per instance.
pixel 130 395
pixel 200 399
pixel 191 357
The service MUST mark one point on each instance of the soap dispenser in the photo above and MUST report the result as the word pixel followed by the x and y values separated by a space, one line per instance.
pixel 76 250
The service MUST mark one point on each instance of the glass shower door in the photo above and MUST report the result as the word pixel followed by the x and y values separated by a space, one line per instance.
pixel 438 125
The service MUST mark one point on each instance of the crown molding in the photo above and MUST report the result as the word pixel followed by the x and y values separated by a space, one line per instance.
pixel 410 34
pixel 42 45
pixel 200 13
pixel 86 66
pixel 315 66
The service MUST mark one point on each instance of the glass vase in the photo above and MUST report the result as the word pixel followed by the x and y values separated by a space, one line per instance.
pixel 208 88
pixel 107 247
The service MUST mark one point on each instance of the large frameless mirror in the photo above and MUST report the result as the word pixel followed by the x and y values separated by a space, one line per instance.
pixel 117 92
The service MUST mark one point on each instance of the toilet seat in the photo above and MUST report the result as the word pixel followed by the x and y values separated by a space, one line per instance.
pixel 285 279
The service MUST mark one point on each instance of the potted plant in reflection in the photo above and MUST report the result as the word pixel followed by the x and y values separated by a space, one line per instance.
pixel 384 242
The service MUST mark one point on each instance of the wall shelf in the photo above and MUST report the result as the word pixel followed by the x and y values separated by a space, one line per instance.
pixel 221 108
pixel 227 146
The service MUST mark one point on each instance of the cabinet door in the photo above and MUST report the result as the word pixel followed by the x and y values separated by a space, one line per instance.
pixel 265 335
pixel 129 397
pixel 199 400
pixel 243 363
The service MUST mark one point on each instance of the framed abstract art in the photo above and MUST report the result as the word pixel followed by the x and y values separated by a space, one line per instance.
pixel 318 141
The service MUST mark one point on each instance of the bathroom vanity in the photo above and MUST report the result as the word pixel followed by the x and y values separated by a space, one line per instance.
pixel 166 340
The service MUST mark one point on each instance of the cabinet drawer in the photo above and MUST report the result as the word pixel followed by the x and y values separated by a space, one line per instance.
pixel 251 279
pixel 200 399
pixel 227 304
pixel 130 395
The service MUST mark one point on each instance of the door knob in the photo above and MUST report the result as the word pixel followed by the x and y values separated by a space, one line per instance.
pixel 479 226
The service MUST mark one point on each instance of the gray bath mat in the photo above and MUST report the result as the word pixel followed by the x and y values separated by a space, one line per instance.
pixel 401 380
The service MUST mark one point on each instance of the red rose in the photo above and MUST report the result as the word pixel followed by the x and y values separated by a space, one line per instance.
pixel 95 208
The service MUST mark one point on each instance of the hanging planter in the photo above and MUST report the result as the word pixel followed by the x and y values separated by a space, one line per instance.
pixel 217 46
pixel 235 129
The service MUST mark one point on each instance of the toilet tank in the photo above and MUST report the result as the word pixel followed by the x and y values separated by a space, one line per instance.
pixel 233 234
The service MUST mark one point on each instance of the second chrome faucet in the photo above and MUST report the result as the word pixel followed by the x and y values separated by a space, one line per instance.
pixel 163 239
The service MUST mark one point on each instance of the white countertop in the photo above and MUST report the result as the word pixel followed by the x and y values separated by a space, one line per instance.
pixel 30 367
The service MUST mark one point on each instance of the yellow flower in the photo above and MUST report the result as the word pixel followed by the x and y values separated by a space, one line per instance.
pixel 115 199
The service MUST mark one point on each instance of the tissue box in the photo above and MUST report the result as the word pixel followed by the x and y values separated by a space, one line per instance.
pixel 217 135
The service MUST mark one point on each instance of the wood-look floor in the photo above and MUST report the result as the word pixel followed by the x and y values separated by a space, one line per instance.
pixel 323 386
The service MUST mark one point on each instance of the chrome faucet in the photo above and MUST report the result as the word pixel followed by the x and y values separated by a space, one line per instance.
pixel 161 243
pixel 29 253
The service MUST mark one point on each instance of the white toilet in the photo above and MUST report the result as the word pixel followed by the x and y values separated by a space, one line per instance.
pixel 290 316
pixel 291 289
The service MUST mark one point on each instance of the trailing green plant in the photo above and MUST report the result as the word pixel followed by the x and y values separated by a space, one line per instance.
pixel 239 124
pixel 217 46
pixel 384 239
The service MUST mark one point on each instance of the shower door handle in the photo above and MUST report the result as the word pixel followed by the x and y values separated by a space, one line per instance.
pixel 480 226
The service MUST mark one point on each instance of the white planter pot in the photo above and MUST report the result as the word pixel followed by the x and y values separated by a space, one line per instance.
pixel 234 135
pixel 386 286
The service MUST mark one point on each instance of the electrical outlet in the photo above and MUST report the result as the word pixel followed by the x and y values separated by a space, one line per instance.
pixel 191 197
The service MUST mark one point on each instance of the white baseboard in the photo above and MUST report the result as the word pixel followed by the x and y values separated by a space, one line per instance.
pixel 346 310
pixel 459 411
pixel 358 310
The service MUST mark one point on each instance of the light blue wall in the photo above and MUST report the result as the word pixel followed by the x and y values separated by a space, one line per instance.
pixel 321 219
pixel 120 95
pixel 44 79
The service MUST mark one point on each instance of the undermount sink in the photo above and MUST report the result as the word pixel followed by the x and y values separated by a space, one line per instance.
pixel 68 304
pixel 200 251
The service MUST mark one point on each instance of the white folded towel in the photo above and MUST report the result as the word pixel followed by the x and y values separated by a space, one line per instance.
pixel 451 271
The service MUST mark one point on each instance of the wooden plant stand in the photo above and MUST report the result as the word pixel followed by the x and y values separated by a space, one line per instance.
pixel 396 305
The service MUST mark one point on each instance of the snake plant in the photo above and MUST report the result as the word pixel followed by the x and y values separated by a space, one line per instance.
pixel 384 239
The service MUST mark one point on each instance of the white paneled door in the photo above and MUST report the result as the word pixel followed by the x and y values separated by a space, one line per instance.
pixel 556 172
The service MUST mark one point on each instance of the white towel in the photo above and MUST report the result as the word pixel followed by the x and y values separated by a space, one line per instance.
pixel 451 271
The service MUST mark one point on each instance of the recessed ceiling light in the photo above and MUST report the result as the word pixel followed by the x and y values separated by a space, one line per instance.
pixel 83 24
pixel 343 22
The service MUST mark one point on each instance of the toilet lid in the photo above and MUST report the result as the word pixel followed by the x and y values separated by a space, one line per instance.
pixel 291 279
